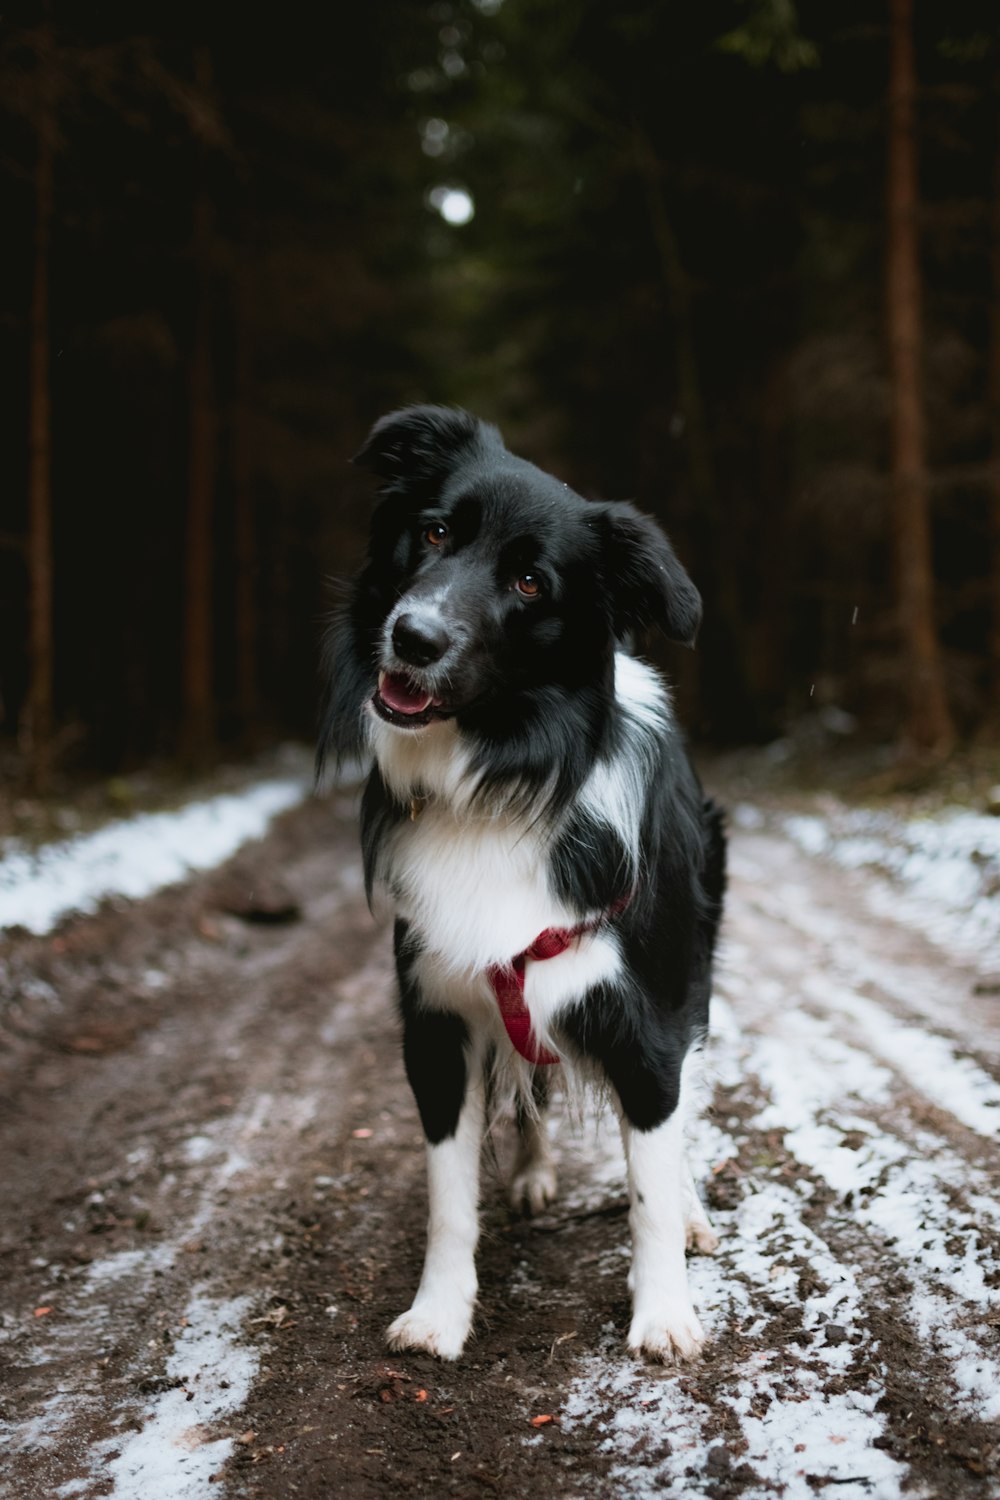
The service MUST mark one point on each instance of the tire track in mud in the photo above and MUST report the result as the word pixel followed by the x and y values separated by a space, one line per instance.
pixel 923 1193
pixel 929 1425
pixel 155 1152
pixel 812 917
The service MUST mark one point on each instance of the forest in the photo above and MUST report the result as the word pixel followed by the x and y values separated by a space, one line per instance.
pixel 737 261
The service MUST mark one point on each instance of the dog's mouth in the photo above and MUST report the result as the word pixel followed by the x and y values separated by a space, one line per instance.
pixel 400 701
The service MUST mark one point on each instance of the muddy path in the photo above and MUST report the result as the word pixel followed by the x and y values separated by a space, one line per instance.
pixel 212 1205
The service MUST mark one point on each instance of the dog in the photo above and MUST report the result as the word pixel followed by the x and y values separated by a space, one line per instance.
pixel 555 869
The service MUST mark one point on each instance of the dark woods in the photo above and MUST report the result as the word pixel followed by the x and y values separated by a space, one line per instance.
pixel 736 261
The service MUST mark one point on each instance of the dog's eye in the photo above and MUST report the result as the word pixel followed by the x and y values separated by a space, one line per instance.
pixel 528 586
pixel 435 533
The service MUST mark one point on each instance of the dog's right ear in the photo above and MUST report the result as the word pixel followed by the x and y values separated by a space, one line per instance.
pixel 420 443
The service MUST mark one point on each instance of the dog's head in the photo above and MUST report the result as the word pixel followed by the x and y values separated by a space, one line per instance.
pixel 492 589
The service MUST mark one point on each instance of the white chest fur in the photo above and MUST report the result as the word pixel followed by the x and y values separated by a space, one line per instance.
pixel 477 894
pixel 475 889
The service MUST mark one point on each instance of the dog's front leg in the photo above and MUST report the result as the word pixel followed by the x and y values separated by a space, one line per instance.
pixel 650 1094
pixel 664 1323
pixel 441 1316
pixel 447 1080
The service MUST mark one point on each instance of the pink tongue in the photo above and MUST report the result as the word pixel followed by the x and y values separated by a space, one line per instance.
pixel 398 694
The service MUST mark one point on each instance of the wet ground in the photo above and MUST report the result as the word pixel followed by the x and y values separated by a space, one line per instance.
pixel 213 1203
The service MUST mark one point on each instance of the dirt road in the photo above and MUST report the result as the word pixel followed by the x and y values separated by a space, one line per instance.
pixel 212 1205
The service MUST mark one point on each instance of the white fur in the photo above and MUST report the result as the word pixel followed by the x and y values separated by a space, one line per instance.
pixel 615 791
pixel 441 1316
pixel 533 1177
pixel 661 1218
pixel 475 888
pixel 431 762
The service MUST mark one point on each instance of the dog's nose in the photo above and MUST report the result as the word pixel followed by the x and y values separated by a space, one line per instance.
pixel 419 641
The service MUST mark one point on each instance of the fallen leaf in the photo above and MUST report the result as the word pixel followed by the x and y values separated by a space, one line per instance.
pixel 247 1437
pixel 420 1396
pixel 541 1421
pixel 276 1316
pixel 40 1312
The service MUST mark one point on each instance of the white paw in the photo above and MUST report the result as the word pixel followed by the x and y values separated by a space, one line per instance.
pixel 532 1187
pixel 672 1333
pixel 699 1235
pixel 433 1326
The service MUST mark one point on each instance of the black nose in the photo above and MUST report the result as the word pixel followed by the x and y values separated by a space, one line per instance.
pixel 418 641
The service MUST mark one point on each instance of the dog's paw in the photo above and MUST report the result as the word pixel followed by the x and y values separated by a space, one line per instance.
pixel 699 1235
pixel 532 1187
pixel 668 1336
pixel 434 1328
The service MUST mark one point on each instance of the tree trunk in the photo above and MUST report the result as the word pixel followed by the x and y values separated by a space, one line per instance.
pixel 927 719
pixel 731 706
pixel 38 735
pixel 993 709
pixel 198 730
pixel 244 539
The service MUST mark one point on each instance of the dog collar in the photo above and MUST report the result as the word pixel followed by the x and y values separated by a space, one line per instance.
pixel 507 982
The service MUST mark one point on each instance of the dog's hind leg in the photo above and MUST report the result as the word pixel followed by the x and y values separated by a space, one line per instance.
pixel 698 1230
pixel 533 1176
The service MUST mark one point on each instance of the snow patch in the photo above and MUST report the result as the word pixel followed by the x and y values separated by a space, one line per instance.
pixel 134 856
pixel 180 1445
pixel 943 871
pixel 926 1061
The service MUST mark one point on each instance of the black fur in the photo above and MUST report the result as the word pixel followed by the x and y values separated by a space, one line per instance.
pixel 433 1048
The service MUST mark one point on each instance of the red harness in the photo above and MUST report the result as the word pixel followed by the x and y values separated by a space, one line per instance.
pixel 507 983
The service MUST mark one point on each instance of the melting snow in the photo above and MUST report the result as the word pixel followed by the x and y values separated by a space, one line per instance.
pixel 134 856
pixel 179 1447
pixel 945 869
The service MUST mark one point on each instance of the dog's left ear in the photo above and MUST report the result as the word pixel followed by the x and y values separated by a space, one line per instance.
pixel 648 584
pixel 418 444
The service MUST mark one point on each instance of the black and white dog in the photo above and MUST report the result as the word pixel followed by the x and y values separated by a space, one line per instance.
pixel 556 871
